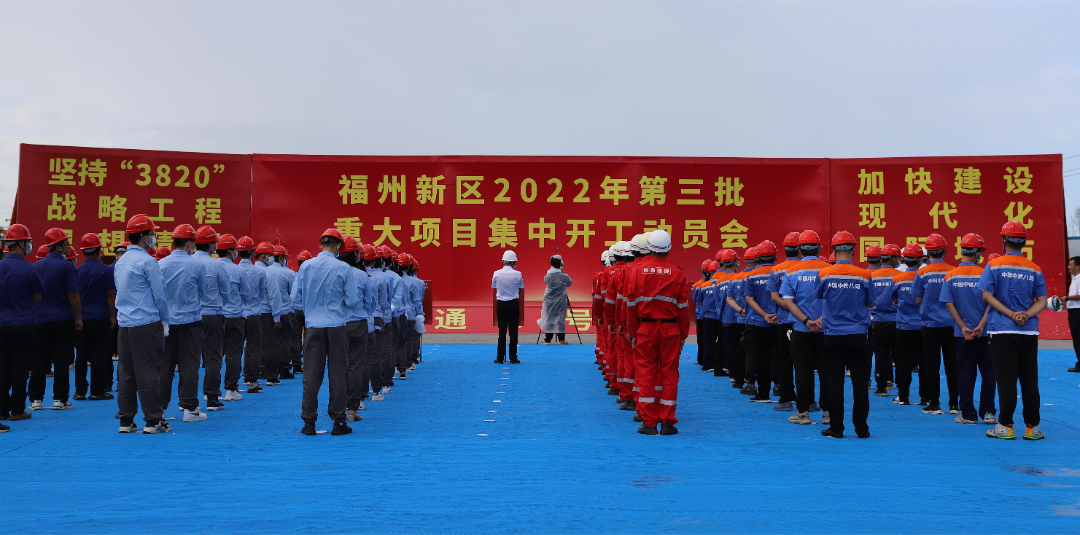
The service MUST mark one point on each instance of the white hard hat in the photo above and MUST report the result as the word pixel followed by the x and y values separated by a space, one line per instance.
pixel 640 243
pixel 509 256
pixel 1054 303
pixel 622 248
pixel 659 241
pixel 604 256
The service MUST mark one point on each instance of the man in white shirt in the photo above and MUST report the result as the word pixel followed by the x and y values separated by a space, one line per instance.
pixel 508 286
pixel 1072 305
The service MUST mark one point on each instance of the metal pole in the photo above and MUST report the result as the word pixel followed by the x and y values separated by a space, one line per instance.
pixel 571 307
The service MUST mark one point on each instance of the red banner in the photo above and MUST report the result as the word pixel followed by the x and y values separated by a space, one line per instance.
pixel 457 214
pixel 903 200
pixel 97 190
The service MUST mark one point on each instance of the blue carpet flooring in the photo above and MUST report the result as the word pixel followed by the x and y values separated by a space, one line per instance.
pixel 467 446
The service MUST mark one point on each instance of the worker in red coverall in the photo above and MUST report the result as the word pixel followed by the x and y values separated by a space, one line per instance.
pixel 620 346
pixel 598 301
pixel 658 320
pixel 609 359
pixel 639 248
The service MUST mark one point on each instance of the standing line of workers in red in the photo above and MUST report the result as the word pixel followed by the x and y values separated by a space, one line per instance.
pixel 163 313
pixel 782 328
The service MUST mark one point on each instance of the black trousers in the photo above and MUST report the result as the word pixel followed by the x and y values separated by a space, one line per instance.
pixel 1074 328
pixel 327 350
pixel 908 354
pixel 808 356
pixel 710 333
pixel 269 351
pixel 699 337
pixel 284 338
pixel 847 351
pixel 884 348
pixel 297 349
pixel 18 345
pixel 141 351
pixel 213 347
pixel 93 346
pixel 507 314
pixel 785 378
pixel 183 348
pixel 719 355
pixel 252 348
pixel 761 354
pixel 234 351
pixel 355 387
pixel 1016 357
pixel 56 349
pixel 401 345
pixel 560 336
pixel 377 361
pixel 733 340
pixel 973 356
pixel 937 343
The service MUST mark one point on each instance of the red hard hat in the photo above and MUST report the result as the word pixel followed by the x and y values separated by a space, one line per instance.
pixel 935 242
pixel 226 241
pixel 972 241
pixel 415 264
pixel 17 232
pixel 162 252
pixel 766 248
pixel 705 265
pixel 404 259
pixel 719 255
pixel 383 251
pixel 792 239
pixel 349 244
pixel 891 249
pixel 992 256
pixel 140 223
pixel 280 251
pixel 54 236
pixel 245 244
pixel 832 258
pixel 809 237
pixel 333 233
pixel 729 255
pixel 713 266
pixel 264 248
pixel 369 252
pixel 90 241
pixel 912 250
pixel 750 254
pixel 206 234
pixel 843 237
pixel 184 232
pixel 393 256
pixel 1014 229
pixel 73 254
pixel 873 252
pixel 42 251
pixel 304 255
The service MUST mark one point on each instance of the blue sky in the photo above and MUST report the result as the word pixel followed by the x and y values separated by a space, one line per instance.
pixel 792 79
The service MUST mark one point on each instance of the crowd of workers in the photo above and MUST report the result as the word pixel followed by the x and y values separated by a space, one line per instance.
pixel 352 312
pixel 782 329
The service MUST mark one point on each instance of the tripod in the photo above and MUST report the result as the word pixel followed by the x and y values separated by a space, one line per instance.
pixel 571 308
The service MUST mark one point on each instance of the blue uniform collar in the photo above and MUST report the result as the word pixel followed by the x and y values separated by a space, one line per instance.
pixel 176 252
pixel 937 261
pixel 14 256
pixel 843 261
pixel 91 259
pixel 57 255
pixel 809 258
pixel 246 261
pixel 325 254
pixel 872 266
pixel 766 265
pixel 1014 253
pixel 202 253
pixel 962 264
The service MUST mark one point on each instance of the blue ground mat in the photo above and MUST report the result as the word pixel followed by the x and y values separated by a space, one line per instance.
pixel 555 456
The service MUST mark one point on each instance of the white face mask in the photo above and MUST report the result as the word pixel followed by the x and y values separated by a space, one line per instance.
pixel 153 241
pixel 270 261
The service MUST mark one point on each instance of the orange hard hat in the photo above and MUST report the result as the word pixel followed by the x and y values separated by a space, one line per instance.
pixel 809 237
pixel 226 241
pixel 17 232
pixel 1014 229
pixel 792 239
pixel 245 244
pixel 873 252
pixel 54 236
pixel 264 248
pixel 935 242
pixel 140 223
pixel 843 238
pixel 206 234
pixel 349 244
pixel 972 241
pixel 90 241
pixel 184 231
pixel 912 250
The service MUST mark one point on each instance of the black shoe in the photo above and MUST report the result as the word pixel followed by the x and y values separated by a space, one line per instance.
pixel 4 428
pixel 16 416
pixel 255 389
pixel 79 397
pixel 638 418
pixel 515 361
pixel 923 402
pixel 776 390
pixel 627 406
pixel 737 385
pixel 286 375
pixel 309 429
pixel 341 428
pixel 761 399
pixel 1074 369
pixel 498 361
pixel 932 409
pixel 298 369
pixel 828 432
pixel 646 430
pixel 706 368
pixel 881 392
pixel 863 434
pixel 100 397
pixel 668 429
pixel 273 382
pixel 613 391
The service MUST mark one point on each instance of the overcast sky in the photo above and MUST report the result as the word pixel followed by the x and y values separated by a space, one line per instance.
pixel 792 79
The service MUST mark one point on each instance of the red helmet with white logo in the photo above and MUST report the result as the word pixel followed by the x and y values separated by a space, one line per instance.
pixel 303 256
pixel 54 236
pixel 184 232
pixel 90 241
pixel 729 255
pixel 766 248
pixel 809 237
pixel 43 251
pixel 750 254
pixel 935 242
pixel 369 252
pixel 333 233
pixel 972 241
pixel 912 250
pixel 890 249
pixel 705 265
pixel 384 251
pixel 264 248
pixel 792 239
pixel 349 245
pixel 843 238
pixel 206 234
pixel 280 251
pixel 140 223
pixel 18 232
pixel 226 241
pixel 1014 229
pixel 245 244
pixel 873 252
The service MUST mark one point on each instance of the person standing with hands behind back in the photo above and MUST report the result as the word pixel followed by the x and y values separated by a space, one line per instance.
pixel 508 287
pixel 58 317
pixel 1072 305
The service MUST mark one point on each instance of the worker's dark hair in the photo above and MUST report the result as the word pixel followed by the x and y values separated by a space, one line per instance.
pixel 329 240
pixel 349 258
pixel 223 253
pixel 203 246
pixel 911 261
pixel 1014 243
pixel 180 243
pixel 808 250
pixel 92 252
pixel 639 254
pixel 1075 260
pixel 873 259
pixel 771 259
pixel 246 255
pixel 940 253
pixel 556 262
pixel 134 238
pixel 56 246
pixel 791 251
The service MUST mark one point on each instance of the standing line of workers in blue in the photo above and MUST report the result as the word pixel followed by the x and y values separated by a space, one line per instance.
pixel 784 328
pixel 352 312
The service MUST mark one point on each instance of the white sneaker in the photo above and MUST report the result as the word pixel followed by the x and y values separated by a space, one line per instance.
pixel 989 418
pixel 361 405
pixel 194 416
pixel 377 397
pixel 825 419
pixel 115 357
pixel 60 405
pixel 385 390
pixel 232 395
pixel 161 427
pixel 35 405
pixel 412 368
pixel 801 418
pixel 130 428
